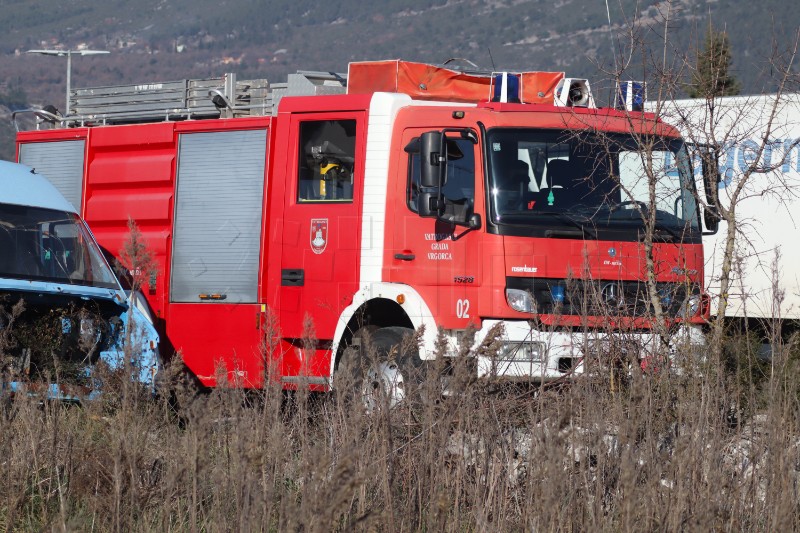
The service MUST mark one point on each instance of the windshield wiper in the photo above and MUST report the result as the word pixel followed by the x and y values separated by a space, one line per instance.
pixel 662 232
pixel 570 221
pixel 666 234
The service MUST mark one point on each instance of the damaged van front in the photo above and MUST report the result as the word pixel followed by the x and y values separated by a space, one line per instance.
pixel 63 313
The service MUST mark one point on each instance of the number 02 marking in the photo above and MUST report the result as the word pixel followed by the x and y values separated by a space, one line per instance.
pixel 462 308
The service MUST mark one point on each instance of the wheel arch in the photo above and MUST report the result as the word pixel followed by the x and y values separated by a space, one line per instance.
pixel 381 307
pixel 379 312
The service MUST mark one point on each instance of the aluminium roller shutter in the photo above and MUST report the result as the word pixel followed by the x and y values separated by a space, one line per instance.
pixel 61 162
pixel 220 189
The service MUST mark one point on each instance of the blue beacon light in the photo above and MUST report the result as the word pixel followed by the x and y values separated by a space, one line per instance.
pixel 506 88
pixel 631 95
pixel 557 293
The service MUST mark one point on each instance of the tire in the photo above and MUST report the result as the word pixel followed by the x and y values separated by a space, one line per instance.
pixel 348 376
pixel 396 371
pixel 386 373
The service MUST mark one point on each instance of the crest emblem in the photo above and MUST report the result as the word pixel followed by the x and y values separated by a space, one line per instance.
pixel 612 252
pixel 319 235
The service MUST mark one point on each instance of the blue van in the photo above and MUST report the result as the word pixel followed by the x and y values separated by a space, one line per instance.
pixel 63 311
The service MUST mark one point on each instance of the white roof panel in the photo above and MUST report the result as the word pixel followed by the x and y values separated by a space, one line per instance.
pixel 21 185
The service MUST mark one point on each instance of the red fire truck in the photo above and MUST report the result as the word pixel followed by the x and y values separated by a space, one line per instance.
pixel 396 197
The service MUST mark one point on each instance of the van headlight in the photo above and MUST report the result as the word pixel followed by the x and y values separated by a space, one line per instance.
pixel 519 300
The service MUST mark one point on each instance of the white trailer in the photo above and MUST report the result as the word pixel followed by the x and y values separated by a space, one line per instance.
pixel 766 276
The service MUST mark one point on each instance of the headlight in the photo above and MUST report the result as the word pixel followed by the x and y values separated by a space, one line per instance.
pixel 519 300
pixel 522 351
pixel 140 308
pixel 690 307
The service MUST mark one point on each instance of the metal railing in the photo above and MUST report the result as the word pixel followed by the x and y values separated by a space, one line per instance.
pixel 224 97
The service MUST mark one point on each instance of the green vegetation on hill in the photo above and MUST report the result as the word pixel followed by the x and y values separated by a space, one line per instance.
pixel 175 39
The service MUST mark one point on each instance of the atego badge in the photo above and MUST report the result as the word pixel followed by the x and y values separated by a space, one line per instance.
pixel 319 234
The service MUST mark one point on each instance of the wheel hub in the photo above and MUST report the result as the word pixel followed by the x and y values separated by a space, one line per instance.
pixel 384 385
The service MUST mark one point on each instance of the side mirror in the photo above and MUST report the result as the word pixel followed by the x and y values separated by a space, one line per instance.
pixel 430 204
pixel 435 149
pixel 711 181
pixel 474 221
pixel 433 158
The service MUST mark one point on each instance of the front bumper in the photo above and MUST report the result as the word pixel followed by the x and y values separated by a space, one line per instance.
pixel 516 350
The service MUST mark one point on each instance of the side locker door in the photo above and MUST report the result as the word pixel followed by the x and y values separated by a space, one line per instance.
pixel 321 238
pixel 213 316
pixel 61 162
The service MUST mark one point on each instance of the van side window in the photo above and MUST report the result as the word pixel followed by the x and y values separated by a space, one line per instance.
pixel 459 191
pixel 327 158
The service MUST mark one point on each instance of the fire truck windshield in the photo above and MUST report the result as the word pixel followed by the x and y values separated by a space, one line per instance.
pixel 605 181
pixel 39 244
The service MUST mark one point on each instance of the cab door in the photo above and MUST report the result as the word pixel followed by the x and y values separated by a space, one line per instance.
pixel 321 232
pixel 440 259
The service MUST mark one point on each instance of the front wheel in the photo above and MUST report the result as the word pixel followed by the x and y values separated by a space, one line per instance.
pixel 397 371
pixel 385 372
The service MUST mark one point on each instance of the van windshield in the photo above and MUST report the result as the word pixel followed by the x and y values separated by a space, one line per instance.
pixel 46 245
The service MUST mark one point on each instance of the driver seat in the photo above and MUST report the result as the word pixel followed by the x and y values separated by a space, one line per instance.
pixel 513 190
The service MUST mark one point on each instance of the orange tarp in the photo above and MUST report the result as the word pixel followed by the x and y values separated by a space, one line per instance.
pixel 430 82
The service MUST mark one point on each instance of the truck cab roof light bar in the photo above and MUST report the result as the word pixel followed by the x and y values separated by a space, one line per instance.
pixel 631 95
pixel 506 87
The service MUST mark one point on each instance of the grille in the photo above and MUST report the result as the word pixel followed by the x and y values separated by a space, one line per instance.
pixel 601 297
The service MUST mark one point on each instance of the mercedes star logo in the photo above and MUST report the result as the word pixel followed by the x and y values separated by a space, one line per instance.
pixel 611 295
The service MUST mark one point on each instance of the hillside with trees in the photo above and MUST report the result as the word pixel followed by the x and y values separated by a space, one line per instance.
pixel 159 40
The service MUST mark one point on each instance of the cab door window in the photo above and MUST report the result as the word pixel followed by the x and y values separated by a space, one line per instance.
pixel 327 157
pixel 459 189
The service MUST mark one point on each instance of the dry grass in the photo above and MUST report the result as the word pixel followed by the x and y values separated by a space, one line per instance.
pixel 713 452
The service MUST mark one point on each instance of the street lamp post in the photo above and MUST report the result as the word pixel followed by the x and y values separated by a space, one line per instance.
pixel 68 54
